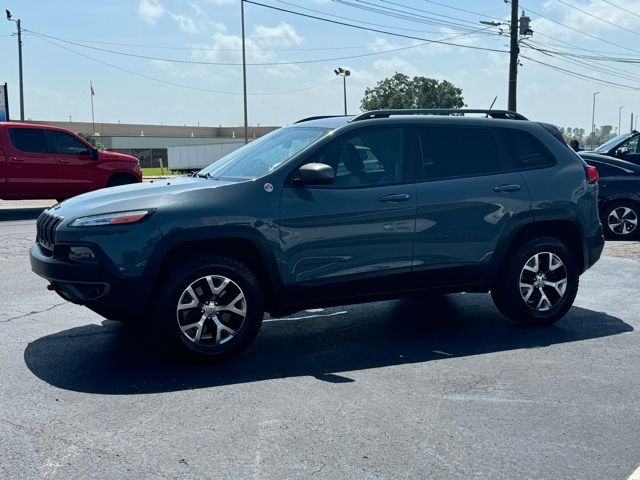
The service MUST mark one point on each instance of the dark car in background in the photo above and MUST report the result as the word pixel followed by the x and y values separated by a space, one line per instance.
pixel 619 195
pixel 625 146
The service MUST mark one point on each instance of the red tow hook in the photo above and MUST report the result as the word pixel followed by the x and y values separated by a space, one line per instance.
pixel 51 287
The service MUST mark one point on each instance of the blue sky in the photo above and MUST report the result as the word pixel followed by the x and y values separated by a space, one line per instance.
pixel 57 79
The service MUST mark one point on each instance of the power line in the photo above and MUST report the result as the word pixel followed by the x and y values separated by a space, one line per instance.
pixel 580 31
pixel 621 8
pixel 459 9
pixel 174 84
pixel 441 42
pixel 597 18
pixel 582 76
pixel 354 20
pixel 274 63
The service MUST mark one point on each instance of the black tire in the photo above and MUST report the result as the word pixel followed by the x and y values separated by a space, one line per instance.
pixel 628 211
pixel 118 180
pixel 507 293
pixel 166 314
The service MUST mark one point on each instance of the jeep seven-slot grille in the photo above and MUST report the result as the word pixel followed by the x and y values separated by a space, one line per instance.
pixel 46 229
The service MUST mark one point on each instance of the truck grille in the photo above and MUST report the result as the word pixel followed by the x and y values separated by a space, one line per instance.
pixel 46 229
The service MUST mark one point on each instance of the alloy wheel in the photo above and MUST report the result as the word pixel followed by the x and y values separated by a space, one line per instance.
pixel 622 220
pixel 543 281
pixel 211 310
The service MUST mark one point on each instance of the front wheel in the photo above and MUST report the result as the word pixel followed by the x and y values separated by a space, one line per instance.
pixel 620 220
pixel 538 284
pixel 211 307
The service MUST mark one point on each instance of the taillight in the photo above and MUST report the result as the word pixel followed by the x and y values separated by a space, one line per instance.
pixel 592 174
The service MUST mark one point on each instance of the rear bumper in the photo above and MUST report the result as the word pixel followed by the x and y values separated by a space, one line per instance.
pixel 92 285
pixel 593 246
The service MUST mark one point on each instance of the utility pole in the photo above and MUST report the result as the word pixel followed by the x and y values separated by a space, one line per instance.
pixel 619 117
pixel 513 57
pixel 93 121
pixel 19 62
pixel 344 73
pixel 593 119
pixel 244 76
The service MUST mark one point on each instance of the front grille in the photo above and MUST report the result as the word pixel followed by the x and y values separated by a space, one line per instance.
pixel 46 229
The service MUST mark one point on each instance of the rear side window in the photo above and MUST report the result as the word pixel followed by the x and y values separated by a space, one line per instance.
pixel 29 139
pixel 66 144
pixel 449 152
pixel 526 151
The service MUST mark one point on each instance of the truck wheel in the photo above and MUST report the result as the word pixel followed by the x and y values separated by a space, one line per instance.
pixel 538 284
pixel 620 220
pixel 210 307
pixel 117 180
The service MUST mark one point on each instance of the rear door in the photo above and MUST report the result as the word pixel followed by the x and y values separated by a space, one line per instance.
pixel 32 170
pixel 360 227
pixel 467 194
pixel 76 166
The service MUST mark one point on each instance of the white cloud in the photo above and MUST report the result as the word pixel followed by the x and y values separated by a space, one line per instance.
pixel 150 11
pixel 282 35
pixel 186 23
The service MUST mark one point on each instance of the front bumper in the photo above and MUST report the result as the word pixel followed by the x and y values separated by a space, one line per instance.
pixel 92 285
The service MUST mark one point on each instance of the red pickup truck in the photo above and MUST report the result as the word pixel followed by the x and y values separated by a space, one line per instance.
pixel 41 161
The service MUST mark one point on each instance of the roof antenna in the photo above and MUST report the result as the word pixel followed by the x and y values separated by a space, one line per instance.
pixel 491 106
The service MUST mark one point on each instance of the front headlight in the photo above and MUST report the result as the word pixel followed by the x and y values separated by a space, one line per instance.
pixel 116 218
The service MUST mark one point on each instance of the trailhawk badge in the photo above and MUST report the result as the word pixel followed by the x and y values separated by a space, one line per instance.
pixel 268 187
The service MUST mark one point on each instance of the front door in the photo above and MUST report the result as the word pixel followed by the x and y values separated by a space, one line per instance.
pixel 359 227
pixel 32 170
pixel 466 197
pixel 76 166
pixel 632 150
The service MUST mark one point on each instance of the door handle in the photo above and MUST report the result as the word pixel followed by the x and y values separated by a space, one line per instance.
pixel 61 160
pixel 506 188
pixel 395 197
pixel 17 159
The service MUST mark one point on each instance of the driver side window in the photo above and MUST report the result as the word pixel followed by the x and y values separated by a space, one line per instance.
pixel 65 144
pixel 366 158
pixel 632 145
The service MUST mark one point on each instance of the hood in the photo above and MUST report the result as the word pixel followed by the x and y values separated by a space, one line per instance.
pixel 156 194
pixel 115 156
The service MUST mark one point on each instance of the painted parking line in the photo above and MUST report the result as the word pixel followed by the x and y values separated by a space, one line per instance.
pixel 635 475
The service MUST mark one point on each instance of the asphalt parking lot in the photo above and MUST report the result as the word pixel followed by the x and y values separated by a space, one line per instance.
pixel 440 387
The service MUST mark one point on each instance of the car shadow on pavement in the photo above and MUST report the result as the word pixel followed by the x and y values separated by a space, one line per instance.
pixel 117 359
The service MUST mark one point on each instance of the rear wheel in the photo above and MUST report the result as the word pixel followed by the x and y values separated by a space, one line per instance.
pixel 620 220
pixel 538 284
pixel 211 307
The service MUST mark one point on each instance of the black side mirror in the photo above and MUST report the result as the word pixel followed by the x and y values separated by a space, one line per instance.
pixel 94 153
pixel 315 174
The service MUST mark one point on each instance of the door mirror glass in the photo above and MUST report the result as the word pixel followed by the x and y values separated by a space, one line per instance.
pixel 316 174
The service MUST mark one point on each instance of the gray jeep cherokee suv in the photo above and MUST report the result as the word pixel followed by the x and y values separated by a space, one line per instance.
pixel 331 211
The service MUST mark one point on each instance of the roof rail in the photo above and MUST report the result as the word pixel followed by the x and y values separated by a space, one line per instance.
pixel 505 114
pixel 318 117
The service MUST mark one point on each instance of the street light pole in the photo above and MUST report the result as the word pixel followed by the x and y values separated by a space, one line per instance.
pixel 593 118
pixel 244 76
pixel 619 118
pixel 344 73
pixel 19 62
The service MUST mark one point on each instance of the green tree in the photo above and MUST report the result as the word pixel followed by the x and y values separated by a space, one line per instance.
pixel 401 91
pixel 92 140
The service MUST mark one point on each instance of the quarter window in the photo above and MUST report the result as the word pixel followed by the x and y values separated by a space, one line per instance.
pixel 525 150
pixel 370 157
pixel 449 152
pixel 66 144
pixel 29 139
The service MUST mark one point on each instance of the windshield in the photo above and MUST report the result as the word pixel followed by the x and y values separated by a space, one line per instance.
pixel 264 154
pixel 606 146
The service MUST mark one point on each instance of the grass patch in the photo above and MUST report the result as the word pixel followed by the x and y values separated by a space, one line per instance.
pixel 154 172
